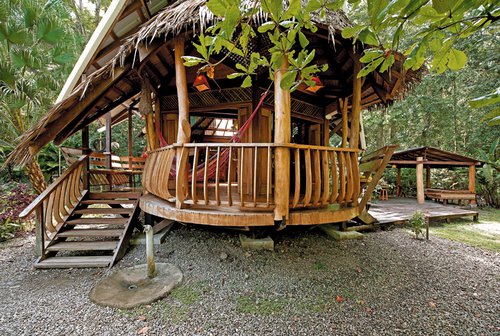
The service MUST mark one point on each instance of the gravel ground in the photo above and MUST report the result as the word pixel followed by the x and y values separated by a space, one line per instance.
pixel 386 284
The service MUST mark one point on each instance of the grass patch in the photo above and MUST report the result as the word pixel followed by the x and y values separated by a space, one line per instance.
pixel 467 232
pixel 186 295
pixel 319 266
pixel 259 306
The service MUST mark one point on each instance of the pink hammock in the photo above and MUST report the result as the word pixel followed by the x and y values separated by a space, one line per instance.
pixel 224 154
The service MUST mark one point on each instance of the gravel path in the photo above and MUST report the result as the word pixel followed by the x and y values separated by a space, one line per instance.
pixel 386 284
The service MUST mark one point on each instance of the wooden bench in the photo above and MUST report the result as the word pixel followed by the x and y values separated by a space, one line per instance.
pixel 447 195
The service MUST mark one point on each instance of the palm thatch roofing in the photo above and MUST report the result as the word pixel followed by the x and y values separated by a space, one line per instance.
pixel 435 157
pixel 117 83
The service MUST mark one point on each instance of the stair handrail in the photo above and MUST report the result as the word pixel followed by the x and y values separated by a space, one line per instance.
pixel 37 202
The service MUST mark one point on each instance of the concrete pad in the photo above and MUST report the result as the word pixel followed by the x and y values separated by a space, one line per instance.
pixel 334 233
pixel 131 287
pixel 139 238
pixel 257 244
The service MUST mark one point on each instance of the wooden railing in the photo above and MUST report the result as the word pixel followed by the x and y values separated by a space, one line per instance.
pixel 220 174
pixel 323 175
pixel 57 202
pixel 242 175
pixel 124 169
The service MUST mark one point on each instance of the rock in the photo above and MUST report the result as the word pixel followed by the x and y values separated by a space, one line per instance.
pixel 223 256
pixel 257 244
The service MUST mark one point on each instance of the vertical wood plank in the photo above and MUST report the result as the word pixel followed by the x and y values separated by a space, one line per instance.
pixel 356 179
pixel 317 177
pixel 326 177
pixel 229 171
pixel 268 176
pixel 350 189
pixel 296 194
pixel 335 182
pixel 217 171
pixel 194 194
pixel 342 177
pixel 254 179
pixel 242 164
pixel 309 182
pixel 205 176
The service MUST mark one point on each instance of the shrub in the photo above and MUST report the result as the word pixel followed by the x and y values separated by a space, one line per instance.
pixel 13 199
pixel 417 223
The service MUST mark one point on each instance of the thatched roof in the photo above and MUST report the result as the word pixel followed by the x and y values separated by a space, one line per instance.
pixel 118 80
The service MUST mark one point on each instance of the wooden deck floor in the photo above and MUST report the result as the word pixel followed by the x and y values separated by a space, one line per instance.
pixel 399 210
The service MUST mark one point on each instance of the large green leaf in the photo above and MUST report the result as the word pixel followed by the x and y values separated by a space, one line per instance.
pixel 456 59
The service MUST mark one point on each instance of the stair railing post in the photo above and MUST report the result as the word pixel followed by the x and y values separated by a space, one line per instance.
pixel 40 232
pixel 85 151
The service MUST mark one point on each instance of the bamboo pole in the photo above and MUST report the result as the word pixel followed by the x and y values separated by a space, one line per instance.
pixel 282 135
pixel 356 107
pixel 420 180
pixel 184 128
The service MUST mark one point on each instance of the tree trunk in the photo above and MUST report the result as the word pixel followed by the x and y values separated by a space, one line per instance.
pixel 36 176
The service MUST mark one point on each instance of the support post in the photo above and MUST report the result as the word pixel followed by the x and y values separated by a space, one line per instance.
pixel 282 135
pixel 184 128
pixel 85 151
pixel 398 183
pixel 356 107
pixel 345 121
pixel 150 251
pixel 420 180
pixel 130 148
pixel 472 182
pixel 107 150
pixel 428 177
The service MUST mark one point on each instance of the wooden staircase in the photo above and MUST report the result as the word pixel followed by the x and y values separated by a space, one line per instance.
pixel 79 228
pixel 96 234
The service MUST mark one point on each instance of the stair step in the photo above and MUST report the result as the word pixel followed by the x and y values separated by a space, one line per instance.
pixel 108 201
pixel 74 262
pixel 78 221
pixel 104 211
pixel 91 233
pixel 114 195
pixel 84 246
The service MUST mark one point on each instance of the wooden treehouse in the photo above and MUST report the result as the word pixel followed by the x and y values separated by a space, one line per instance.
pixel 218 154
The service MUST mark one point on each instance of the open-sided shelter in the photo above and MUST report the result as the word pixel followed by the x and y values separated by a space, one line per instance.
pixel 428 158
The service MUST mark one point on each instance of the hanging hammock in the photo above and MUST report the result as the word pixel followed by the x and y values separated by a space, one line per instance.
pixel 224 154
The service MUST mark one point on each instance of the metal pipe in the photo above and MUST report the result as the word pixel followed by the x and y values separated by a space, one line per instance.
pixel 150 251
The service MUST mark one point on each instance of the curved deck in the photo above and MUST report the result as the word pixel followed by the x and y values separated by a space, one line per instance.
pixel 231 216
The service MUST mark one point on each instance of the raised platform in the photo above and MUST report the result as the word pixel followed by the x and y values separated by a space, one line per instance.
pixel 236 217
pixel 399 211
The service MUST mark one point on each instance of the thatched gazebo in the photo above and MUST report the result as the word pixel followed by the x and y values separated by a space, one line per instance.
pixel 222 154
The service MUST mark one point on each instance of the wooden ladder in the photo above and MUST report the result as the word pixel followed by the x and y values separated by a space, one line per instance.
pixel 95 234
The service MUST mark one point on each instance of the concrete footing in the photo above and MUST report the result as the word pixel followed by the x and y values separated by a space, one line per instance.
pixel 333 232
pixel 257 244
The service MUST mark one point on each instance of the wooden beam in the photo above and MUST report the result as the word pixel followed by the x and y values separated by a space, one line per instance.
pixel 82 107
pixel 356 107
pixel 433 163
pixel 420 180
pixel 282 135
pixel 87 116
pixel 345 122
pixel 112 14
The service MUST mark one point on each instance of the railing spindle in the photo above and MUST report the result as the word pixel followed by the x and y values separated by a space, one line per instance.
pixel 229 171
pixel 255 164
pixel 268 177
pixel 205 176
pixel 326 177
pixel 309 182
pixel 317 178
pixel 217 170
pixel 194 195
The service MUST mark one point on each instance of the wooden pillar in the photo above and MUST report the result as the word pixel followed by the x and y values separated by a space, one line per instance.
pixel 107 150
pixel 85 151
pixel 130 147
pixel 345 121
pixel 398 183
pixel 428 177
pixel 420 180
pixel 282 135
pixel 472 181
pixel 184 128
pixel 356 107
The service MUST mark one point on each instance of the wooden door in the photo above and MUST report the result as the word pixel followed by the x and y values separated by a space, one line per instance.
pixel 169 127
